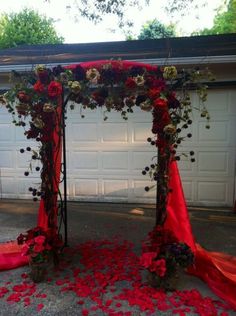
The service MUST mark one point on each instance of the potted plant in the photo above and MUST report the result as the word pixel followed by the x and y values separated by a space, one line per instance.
pixel 164 257
pixel 41 247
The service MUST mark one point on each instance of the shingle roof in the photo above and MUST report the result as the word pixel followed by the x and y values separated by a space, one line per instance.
pixel 213 45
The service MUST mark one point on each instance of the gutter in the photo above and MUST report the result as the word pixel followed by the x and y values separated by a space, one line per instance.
pixel 199 60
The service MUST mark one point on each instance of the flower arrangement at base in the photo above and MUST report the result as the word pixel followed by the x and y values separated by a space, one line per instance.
pixel 41 247
pixel 164 257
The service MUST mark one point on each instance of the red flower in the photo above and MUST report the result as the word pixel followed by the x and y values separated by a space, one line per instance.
pixel 39 87
pixel 160 103
pixel 54 89
pixel 40 239
pixel 38 248
pixel 23 97
pixel 147 258
pixel 154 93
pixel 130 83
pixel 159 267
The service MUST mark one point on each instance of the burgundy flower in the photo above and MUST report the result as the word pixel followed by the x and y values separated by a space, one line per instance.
pixel 130 83
pixel 23 97
pixel 79 73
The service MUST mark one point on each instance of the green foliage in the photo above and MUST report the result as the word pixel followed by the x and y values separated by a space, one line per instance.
pixel 96 10
pixel 27 27
pixel 154 29
pixel 224 22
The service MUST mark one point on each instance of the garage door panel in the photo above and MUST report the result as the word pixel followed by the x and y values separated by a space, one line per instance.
pixel 188 187
pixel 217 134
pixel 115 160
pixel 212 191
pixel 85 160
pixel 115 132
pixel 141 131
pixel 139 192
pixel 213 162
pixel 140 159
pixel 86 187
pixel 9 186
pixel 6 132
pixel 7 160
pixel 115 189
pixel 83 132
pixel 218 102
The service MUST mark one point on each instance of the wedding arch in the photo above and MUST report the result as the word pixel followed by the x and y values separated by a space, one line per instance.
pixel 38 102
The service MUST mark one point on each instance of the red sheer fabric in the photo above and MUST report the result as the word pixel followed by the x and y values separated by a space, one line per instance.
pixel 216 269
pixel 10 256
pixel 57 150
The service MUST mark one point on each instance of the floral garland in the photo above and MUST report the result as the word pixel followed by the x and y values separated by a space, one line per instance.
pixel 37 97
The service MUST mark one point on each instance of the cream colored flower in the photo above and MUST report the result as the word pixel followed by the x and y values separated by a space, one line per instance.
pixel 93 75
pixel 40 68
pixel 22 107
pixel 48 107
pixel 38 123
pixel 170 129
pixel 146 105
pixel 74 86
pixel 170 72
pixel 3 99
pixel 139 80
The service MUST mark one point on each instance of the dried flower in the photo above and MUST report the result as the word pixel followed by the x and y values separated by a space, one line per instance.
pixel 139 81
pixel 48 107
pixel 146 105
pixel 93 75
pixel 75 86
pixel 170 72
pixel 170 129
pixel 38 123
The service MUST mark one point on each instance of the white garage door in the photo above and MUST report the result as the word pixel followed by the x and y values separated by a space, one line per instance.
pixel 105 159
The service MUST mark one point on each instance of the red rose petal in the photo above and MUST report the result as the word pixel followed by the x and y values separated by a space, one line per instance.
pixel 40 307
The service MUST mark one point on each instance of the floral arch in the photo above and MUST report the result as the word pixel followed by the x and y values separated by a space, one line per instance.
pixel 38 103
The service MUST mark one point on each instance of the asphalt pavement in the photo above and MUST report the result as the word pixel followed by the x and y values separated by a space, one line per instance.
pixel 88 224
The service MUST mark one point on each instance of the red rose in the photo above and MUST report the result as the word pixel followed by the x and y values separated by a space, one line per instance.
pixel 130 83
pixel 147 258
pixel 54 89
pixel 160 103
pixel 23 97
pixel 159 267
pixel 38 87
pixel 154 93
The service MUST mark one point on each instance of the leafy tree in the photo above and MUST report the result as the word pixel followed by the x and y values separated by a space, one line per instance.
pixel 27 27
pixel 224 21
pixel 96 10
pixel 155 29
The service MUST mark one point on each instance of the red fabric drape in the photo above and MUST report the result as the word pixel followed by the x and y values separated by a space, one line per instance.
pixel 57 152
pixel 216 269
